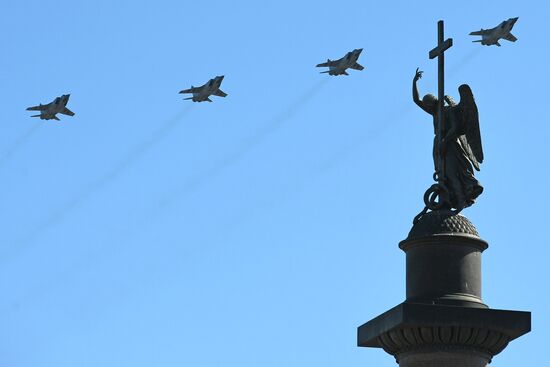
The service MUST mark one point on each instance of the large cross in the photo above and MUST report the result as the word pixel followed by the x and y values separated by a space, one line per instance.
pixel 438 52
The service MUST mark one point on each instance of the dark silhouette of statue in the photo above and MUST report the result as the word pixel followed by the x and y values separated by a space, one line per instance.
pixel 457 150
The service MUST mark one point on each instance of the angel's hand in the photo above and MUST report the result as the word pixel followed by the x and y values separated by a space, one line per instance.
pixel 418 74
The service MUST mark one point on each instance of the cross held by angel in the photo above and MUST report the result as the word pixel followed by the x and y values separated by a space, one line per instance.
pixel 457 149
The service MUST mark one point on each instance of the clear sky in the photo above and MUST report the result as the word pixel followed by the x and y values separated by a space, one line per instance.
pixel 260 229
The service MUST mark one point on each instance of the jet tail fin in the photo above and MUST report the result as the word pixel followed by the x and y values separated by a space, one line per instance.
pixel 67 112
pixel 357 66
pixel 497 43
pixel 208 99
pixel 510 37
pixel 220 93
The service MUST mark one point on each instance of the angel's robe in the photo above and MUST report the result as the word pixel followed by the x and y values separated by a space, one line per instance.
pixel 460 180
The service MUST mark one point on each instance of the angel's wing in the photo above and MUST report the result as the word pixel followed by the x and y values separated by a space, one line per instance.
pixel 471 137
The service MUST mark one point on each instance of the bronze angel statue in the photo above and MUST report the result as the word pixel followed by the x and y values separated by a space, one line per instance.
pixel 457 150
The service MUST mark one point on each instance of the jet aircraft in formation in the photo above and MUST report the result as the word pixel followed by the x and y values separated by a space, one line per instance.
pixel 50 110
pixel 493 35
pixel 338 67
pixel 202 93
pixel 335 67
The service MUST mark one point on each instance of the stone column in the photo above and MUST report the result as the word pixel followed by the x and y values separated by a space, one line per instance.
pixel 443 321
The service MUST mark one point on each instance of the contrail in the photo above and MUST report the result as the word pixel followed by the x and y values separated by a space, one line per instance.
pixel 402 112
pixel 236 155
pixel 133 155
pixel 340 155
pixel 188 186
pixel 20 142
pixel 464 61
pixel 372 134
pixel 243 148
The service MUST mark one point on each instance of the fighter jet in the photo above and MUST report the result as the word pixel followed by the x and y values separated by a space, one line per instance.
pixel 201 94
pixel 338 67
pixel 491 36
pixel 49 111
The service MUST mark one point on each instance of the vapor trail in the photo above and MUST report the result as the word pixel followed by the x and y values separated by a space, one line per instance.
pixel 133 155
pixel 20 142
pixel 402 112
pixel 341 154
pixel 464 61
pixel 242 149
pixel 187 186
pixel 245 147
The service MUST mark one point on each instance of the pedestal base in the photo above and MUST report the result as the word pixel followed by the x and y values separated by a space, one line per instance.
pixel 444 358
pixel 436 335
pixel 443 322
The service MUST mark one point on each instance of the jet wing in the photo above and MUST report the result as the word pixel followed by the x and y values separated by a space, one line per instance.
pixel 480 33
pixel 37 108
pixel 326 64
pixel 67 112
pixel 220 93
pixel 510 37
pixel 191 90
pixel 357 66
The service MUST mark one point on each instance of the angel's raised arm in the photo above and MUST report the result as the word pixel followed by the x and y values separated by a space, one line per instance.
pixel 416 97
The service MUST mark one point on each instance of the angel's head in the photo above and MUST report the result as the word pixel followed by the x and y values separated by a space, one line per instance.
pixel 430 101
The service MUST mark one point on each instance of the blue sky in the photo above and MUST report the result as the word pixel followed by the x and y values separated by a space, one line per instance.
pixel 260 229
